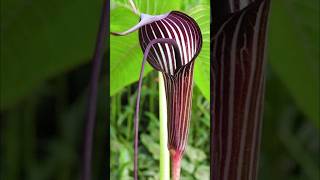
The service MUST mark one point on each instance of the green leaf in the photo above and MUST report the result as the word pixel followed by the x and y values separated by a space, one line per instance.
pixel 149 6
pixel 294 51
pixel 195 155
pixel 201 14
pixel 125 52
pixel 41 39
pixel 203 172
pixel 151 145
pixel 124 70
pixel 187 166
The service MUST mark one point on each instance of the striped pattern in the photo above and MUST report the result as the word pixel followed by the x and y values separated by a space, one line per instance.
pixel 180 27
pixel 237 5
pixel 136 115
pixel 177 70
pixel 170 42
pixel 238 76
pixel 179 95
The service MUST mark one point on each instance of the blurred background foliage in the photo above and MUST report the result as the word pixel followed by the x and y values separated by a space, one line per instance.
pixel 45 52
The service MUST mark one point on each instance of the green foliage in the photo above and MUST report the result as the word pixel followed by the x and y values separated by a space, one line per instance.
pixel 126 55
pixel 290 143
pixel 149 6
pixel 125 52
pixel 41 39
pixel 294 51
pixel 201 14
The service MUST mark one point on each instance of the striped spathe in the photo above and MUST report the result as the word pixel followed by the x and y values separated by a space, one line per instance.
pixel 177 70
pixel 170 43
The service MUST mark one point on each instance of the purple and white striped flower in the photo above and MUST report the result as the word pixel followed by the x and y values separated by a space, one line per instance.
pixel 171 42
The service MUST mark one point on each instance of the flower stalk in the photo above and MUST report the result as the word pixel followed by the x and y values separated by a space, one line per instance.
pixel 164 153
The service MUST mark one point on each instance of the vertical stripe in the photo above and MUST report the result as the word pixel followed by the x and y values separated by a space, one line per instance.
pixel 232 96
pixel 250 88
pixel 238 77
pixel 169 60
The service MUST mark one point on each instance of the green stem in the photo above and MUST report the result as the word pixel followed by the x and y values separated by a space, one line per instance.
pixel 164 152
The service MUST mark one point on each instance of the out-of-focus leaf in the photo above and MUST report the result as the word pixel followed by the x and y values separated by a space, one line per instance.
pixel 294 51
pixel 187 166
pixel 202 172
pixel 153 148
pixel 125 52
pixel 195 155
pixel 125 160
pixel 40 39
pixel 201 14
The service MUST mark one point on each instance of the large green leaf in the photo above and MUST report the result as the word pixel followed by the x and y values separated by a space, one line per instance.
pixel 149 6
pixel 125 52
pixel 294 51
pixel 201 14
pixel 126 55
pixel 40 39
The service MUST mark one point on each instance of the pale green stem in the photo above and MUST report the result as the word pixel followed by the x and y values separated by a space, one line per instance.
pixel 164 152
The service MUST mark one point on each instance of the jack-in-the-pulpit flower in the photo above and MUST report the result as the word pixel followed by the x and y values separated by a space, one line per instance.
pixel 174 41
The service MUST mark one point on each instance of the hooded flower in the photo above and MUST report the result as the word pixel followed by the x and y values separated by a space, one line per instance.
pixel 175 59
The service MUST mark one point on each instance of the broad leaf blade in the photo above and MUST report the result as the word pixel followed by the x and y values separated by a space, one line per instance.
pixel 41 39
pixel 201 14
pixel 125 52
pixel 150 6
pixel 123 18
pixel 294 51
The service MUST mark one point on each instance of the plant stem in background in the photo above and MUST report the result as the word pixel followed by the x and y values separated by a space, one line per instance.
pixel 91 108
pixel 164 153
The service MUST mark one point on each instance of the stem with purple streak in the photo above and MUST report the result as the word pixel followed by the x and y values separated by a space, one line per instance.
pixel 91 106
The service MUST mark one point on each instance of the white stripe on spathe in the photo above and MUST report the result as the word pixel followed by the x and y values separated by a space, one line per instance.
pixel 186 34
pixel 164 59
pixel 185 58
pixel 169 61
pixel 173 52
pixel 154 50
pixel 176 37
